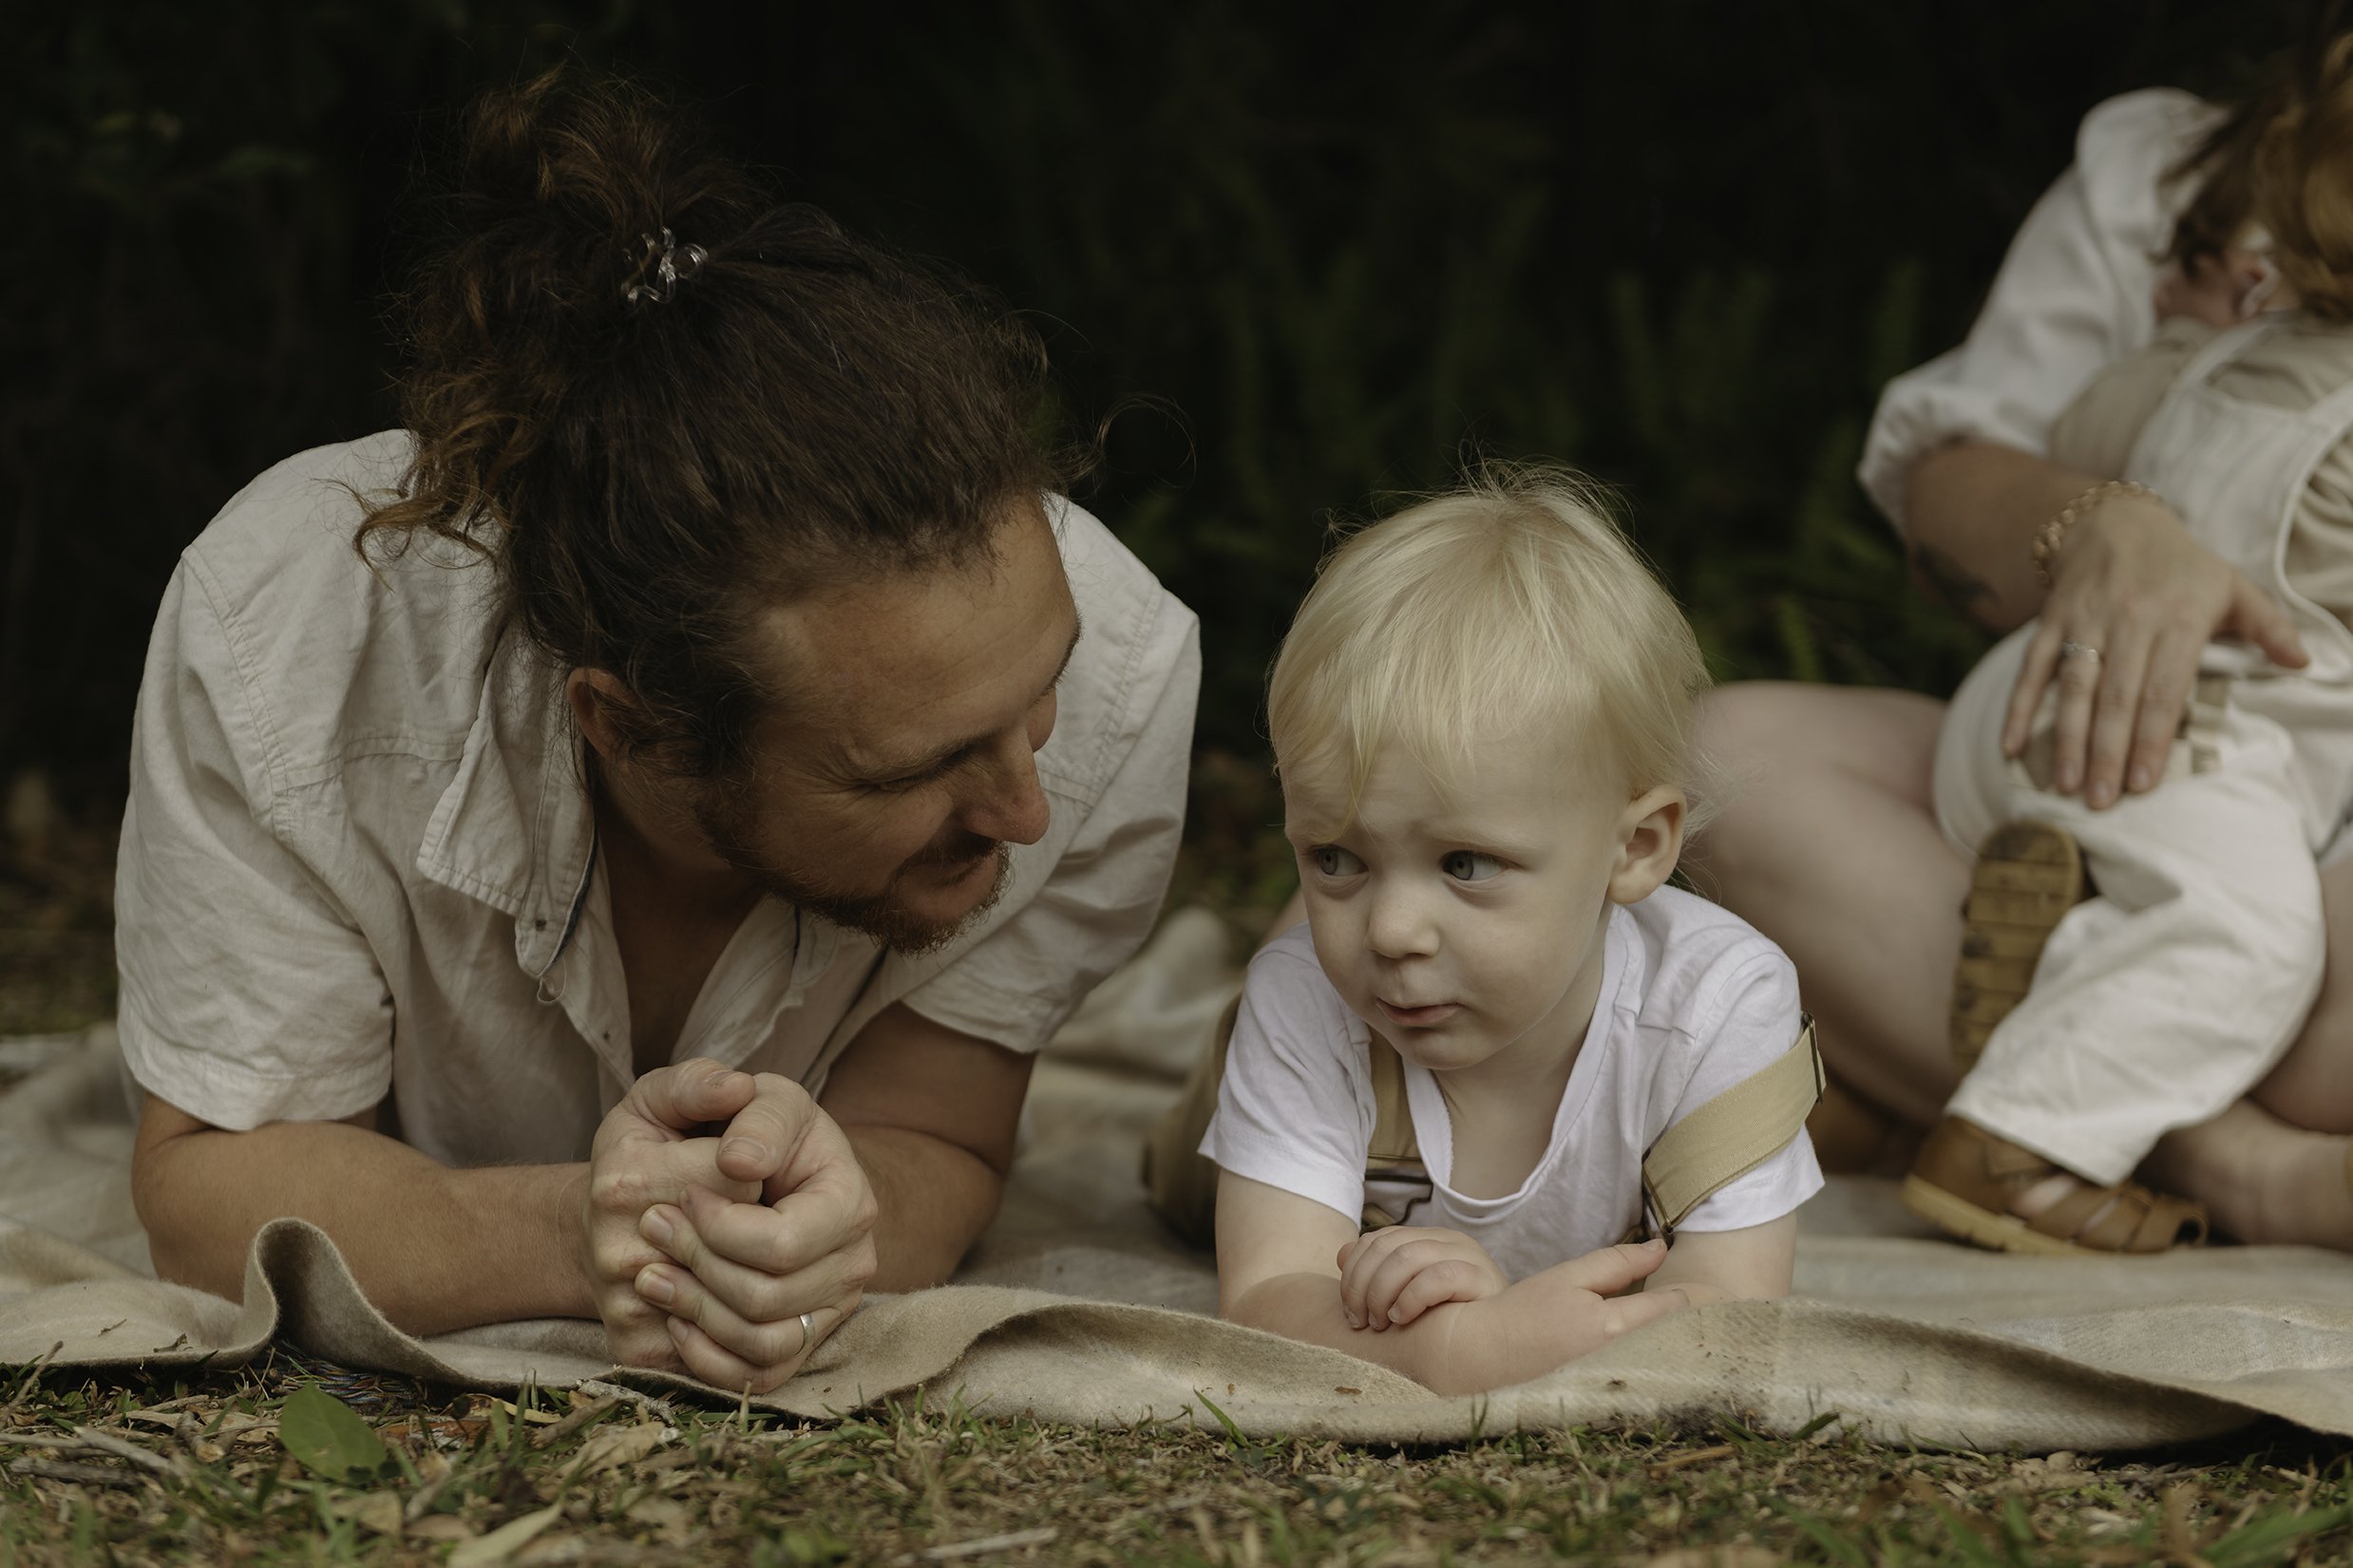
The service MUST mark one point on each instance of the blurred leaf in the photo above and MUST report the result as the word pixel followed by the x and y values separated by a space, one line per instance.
pixel 328 1438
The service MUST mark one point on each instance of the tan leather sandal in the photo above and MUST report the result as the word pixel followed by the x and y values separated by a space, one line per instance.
pixel 2028 876
pixel 1967 1179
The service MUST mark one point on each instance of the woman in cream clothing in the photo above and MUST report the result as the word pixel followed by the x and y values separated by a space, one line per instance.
pixel 1835 849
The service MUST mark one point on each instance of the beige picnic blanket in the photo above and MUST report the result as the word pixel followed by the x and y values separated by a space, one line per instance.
pixel 1077 1307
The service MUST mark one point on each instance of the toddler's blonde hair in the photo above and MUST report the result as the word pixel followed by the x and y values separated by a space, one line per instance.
pixel 1510 605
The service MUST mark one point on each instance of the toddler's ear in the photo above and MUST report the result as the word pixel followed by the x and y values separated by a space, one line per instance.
pixel 1650 841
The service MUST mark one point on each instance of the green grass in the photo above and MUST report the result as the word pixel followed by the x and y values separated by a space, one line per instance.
pixel 465 1478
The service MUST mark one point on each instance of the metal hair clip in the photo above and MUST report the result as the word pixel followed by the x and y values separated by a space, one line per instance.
pixel 667 261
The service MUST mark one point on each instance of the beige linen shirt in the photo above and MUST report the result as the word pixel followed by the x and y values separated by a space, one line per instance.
pixel 359 868
pixel 2293 367
pixel 2076 292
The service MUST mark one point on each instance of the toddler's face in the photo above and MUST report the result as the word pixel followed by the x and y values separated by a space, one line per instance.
pixel 1467 931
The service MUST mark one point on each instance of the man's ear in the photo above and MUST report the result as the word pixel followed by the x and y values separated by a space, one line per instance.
pixel 1650 841
pixel 597 696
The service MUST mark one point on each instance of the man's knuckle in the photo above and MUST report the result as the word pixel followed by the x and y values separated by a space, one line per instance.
pixel 616 1187
pixel 780 1093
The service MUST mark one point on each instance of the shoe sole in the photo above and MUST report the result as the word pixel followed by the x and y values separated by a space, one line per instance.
pixel 2001 1232
pixel 2028 877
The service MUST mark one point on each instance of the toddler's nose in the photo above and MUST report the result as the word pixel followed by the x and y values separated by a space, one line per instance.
pixel 1399 926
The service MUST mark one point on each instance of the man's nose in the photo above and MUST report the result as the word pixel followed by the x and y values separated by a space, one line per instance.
pixel 1008 803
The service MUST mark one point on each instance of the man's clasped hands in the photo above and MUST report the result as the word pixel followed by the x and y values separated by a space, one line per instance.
pixel 727 1225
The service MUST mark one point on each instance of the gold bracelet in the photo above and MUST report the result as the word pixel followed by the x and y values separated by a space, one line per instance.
pixel 2054 533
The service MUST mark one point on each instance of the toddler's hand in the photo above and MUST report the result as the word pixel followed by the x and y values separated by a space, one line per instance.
pixel 1392 1276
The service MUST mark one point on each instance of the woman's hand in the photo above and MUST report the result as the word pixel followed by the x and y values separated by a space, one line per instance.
pixel 1390 1276
pixel 2135 599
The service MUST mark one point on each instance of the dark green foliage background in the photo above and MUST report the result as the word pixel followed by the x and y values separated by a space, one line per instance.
pixel 1678 243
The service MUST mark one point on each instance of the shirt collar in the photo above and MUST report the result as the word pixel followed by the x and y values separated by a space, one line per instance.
pixel 515 827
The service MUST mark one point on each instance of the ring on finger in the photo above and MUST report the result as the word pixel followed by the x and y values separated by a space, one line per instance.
pixel 808 1331
pixel 2074 650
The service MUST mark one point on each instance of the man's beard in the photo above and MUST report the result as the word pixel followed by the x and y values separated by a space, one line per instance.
pixel 719 812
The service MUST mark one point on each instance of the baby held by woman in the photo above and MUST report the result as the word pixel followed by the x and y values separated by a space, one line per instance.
pixel 1503 1075
pixel 2135 969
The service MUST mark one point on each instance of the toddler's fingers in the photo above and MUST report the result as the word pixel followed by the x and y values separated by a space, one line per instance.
pixel 1615 1269
pixel 1628 1313
pixel 1399 1270
pixel 1363 1259
pixel 1452 1280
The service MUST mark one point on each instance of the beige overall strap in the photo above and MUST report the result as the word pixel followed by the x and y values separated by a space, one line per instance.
pixel 1392 1116
pixel 1732 1134
pixel 1394 1149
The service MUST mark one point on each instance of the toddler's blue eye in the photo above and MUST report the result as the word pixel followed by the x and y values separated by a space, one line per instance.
pixel 1467 865
pixel 1335 861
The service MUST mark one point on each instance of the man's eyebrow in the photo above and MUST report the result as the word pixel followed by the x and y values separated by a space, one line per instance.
pixel 948 756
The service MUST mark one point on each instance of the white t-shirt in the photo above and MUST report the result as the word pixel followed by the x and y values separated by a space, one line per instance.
pixel 358 864
pixel 1693 1001
pixel 2075 293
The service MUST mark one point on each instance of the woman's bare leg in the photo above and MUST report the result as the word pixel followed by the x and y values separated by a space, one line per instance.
pixel 1828 843
pixel 2277 1166
pixel 2313 1084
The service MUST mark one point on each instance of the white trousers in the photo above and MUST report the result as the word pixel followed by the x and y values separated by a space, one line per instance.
pixel 2163 999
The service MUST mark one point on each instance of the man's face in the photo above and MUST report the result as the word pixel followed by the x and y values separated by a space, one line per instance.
pixel 901 762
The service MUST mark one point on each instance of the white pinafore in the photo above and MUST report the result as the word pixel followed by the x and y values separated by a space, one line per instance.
pixel 2165 998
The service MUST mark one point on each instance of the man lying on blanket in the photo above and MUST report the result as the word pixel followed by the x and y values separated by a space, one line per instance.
pixel 631 882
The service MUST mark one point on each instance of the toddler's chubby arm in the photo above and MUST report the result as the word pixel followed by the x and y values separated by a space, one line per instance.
pixel 1748 1264
pixel 1278 1268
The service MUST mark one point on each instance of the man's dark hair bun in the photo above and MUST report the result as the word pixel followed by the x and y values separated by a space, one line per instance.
pixel 793 402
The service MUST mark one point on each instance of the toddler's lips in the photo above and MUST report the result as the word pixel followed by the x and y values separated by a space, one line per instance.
pixel 1437 1012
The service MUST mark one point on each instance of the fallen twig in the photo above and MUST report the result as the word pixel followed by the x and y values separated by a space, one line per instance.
pixel 648 1403
pixel 1698 1456
pixel 548 1436
pixel 95 1475
pixel 956 1551
pixel 144 1458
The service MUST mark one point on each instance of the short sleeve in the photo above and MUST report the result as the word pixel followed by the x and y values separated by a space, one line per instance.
pixel 2072 293
pixel 1293 1111
pixel 1759 1021
pixel 1022 981
pixel 246 993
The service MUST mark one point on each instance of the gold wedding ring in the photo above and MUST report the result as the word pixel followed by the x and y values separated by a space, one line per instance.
pixel 808 1333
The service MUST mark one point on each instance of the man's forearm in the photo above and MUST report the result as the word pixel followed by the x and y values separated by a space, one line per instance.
pixel 933 1199
pixel 1971 513
pixel 435 1249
